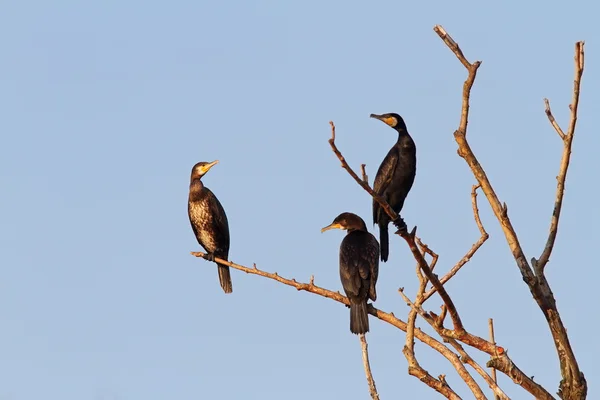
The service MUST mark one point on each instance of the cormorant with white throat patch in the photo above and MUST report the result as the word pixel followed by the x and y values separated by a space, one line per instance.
pixel 209 222
pixel 359 267
pixel 394 178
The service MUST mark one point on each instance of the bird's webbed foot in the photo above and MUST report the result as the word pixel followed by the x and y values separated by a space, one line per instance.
pixel 400 224
pixel 210 257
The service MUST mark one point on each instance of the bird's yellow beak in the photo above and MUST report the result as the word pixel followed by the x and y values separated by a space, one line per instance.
pixel 391 121
pixel 334 225
pixel 209 166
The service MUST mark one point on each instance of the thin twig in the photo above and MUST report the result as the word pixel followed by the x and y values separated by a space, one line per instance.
pixel 427 249
pixel 363 339
pixel 557 127
pixel 363 171
pixel 409 347
pixel 566 157
pixel 384 205
pixel 493 340
pixel 452 45
pixel 410 240
pixel 367 366
pixel 467 257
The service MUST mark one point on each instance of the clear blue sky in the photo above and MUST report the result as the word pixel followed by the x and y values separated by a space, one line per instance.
pixel 107 105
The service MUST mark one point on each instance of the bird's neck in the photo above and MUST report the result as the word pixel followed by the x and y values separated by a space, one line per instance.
pixel 196 186
pixel 357 229
pixel 404 138
pixel 402 133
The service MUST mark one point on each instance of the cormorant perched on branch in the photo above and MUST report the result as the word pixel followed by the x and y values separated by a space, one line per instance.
pixel 209 222
pixel 394 178
pixel 359 267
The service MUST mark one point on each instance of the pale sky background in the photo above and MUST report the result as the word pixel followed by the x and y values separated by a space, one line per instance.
pixel 107 105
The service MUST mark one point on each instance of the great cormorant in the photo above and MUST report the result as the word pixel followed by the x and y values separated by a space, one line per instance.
pixel 209 222
pixel 394 178
pixel 359 267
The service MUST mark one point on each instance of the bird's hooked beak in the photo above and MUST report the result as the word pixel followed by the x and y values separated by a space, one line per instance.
pixel 334 225
pixel 209 166
pixel 391 121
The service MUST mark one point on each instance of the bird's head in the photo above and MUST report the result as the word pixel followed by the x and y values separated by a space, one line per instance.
pixel 391 119
pixel 202 168
pixel 346 221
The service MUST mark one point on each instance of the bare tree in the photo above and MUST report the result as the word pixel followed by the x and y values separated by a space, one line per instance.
pixel 451 342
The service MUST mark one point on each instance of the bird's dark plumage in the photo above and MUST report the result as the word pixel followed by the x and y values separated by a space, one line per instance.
pixel 359 267
pixel 394 178
pixel 209 222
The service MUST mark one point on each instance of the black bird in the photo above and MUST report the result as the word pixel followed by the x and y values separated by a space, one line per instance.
pixel 359 267
pixel 209 222
pixel 394 178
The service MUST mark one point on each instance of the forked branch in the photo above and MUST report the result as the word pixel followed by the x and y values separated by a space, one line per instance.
pixel 573 385
pixel 566 157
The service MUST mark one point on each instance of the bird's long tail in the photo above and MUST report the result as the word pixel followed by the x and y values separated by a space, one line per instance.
pixel 359 317
pixel 225 278
pixel 384 241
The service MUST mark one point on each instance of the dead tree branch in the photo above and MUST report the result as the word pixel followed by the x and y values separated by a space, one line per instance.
pixel 466 358
pixel 566 156
pixel 410 239
pixel 364 184
pixel 499 359
pixel 467 257
pixel 363 338
pixel 367 365
pixel 414 368
pixel 573 385
pixel 504 363
pixel 412 316
pixel 436 322
pixel 363 172
pixel 390 318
